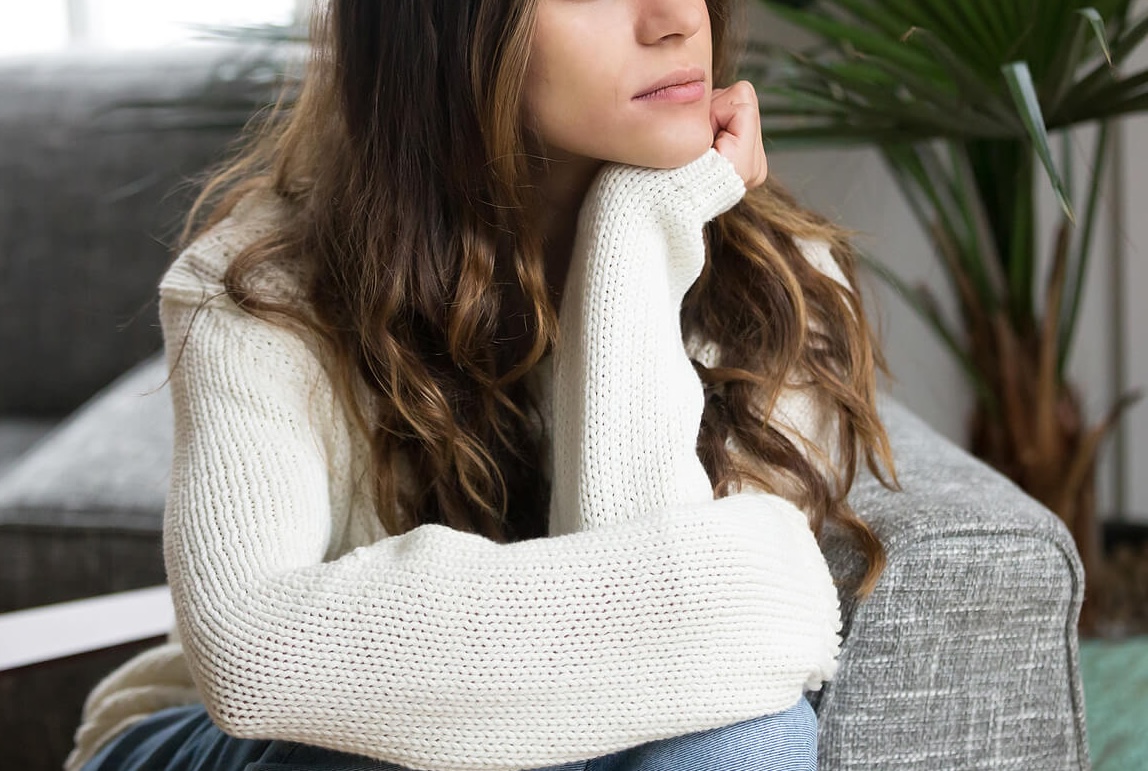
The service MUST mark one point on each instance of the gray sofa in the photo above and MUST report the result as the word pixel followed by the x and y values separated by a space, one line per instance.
pixel 965 657
pixel 92 187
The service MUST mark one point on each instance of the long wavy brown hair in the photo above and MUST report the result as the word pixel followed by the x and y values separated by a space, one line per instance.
pixel 402 158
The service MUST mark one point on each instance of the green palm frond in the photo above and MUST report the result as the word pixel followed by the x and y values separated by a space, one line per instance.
pixel 964 99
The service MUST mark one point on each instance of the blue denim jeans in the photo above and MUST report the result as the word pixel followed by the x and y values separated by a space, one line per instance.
pixel 185 739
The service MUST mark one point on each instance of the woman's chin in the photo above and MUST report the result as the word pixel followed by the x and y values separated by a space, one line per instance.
pixel 674 151
pixel 668 159
pixel 667 148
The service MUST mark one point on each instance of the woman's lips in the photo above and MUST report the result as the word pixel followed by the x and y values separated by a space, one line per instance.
pixel 681 93
pixel 683 85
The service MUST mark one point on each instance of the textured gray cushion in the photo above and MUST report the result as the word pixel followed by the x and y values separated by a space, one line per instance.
pixel 88 206
pixel 965 656
pixel 84 506
pixel 17 435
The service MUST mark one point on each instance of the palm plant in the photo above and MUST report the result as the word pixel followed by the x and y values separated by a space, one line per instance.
pixel 960 97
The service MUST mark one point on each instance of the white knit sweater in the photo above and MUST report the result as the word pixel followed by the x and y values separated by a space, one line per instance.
pixel 653 610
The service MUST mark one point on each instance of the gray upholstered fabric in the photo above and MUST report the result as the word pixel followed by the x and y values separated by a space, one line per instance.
pixel 88 204
pixel 17 435
pixel 106 466
pixel 84 506
pixel 965 656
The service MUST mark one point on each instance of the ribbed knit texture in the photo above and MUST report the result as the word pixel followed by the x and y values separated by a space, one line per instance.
pixel 626 417
pixel 652 611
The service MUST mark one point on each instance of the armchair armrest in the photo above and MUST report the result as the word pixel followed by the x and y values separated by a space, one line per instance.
pixel 965 655
pixel 38 635
pixel 52 656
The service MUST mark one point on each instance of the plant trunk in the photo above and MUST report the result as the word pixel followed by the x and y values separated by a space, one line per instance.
pixel 1039 461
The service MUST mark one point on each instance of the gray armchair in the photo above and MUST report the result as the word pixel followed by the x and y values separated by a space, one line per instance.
pixel 965 655
pixel 964 658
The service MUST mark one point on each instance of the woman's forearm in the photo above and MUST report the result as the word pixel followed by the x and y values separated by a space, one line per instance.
pixel 627 401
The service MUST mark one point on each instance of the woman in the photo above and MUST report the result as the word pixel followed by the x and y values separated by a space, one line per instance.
pixel 509 400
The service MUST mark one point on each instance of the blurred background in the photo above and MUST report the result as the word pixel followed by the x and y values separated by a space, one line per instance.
pixel 58 25
pixel 849 185
pixel 96 154
pixel 855 188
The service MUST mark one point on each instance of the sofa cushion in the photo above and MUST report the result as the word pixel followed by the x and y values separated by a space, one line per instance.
pixel 17 435
pixel 81 512
pixel 93 189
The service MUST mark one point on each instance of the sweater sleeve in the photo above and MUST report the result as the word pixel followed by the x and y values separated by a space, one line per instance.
pixel 627 401
pixel 626 421
pixel 438 649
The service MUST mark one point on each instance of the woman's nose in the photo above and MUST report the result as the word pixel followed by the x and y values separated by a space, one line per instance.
pixel 658 20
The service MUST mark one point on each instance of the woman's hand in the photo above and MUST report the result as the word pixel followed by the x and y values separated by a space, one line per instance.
pixel 736 125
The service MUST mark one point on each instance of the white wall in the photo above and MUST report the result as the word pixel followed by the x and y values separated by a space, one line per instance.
pixel 48 25
pixel 854 188
pixel 1133 246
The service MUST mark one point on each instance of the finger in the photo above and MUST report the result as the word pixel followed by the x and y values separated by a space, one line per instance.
pixel 723 104
pixel 736 122
pixel 744 121
pixel 736 110
pixel 740 140
pixel 715 100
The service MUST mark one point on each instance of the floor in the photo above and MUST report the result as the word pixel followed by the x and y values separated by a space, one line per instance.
pixel 1115 678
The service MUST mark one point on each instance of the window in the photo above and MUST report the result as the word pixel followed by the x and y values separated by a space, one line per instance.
pixel 36 26
pixel 45 25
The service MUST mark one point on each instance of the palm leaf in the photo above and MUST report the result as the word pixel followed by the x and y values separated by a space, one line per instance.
pixel 1078 269
pixel 1023 90
pixel 990 79
pixel 860 38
